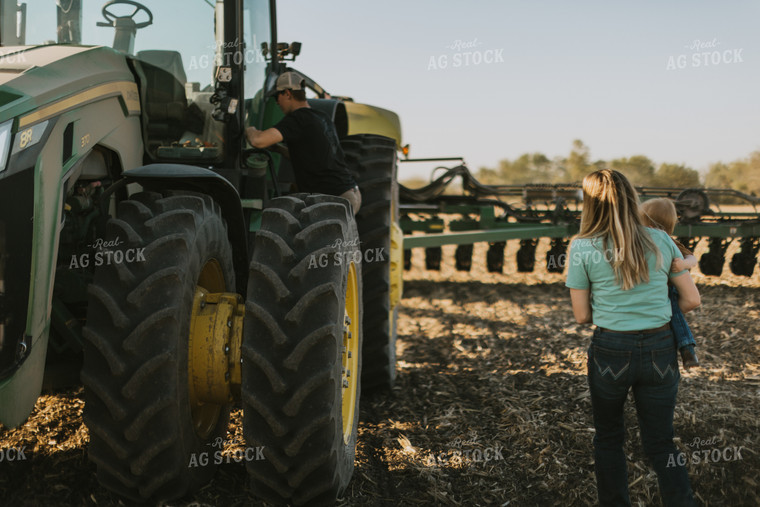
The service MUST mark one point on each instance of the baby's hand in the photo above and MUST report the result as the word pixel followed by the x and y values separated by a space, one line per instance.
pixel 679 265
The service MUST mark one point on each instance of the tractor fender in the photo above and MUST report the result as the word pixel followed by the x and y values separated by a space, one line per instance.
pixel 351 118
pixel 197 179
pixel 366 119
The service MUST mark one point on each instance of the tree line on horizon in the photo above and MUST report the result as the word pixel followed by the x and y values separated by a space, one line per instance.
pixel 742 174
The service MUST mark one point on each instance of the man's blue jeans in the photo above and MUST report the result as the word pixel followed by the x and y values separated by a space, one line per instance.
pixel 647 364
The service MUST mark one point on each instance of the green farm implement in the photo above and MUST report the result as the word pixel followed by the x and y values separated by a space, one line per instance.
pixel 495 214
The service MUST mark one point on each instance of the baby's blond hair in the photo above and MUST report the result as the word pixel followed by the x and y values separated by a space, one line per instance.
pixel 659 213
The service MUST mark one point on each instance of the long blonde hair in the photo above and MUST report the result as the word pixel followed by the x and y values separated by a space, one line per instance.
pixel 611 212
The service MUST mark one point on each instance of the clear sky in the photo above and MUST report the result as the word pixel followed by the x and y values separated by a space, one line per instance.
pixel 676 80
pixel 585 69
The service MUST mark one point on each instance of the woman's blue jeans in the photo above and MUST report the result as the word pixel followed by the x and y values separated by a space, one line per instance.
pixel 647 364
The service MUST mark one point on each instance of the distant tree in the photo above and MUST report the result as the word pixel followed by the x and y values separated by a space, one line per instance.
pixel 414 182
pixel 746 174
pixel 638 168
pixel 719 176
pixel 544 170
pixel 675 175
pixel 753 171
pixel 489 176
pixel 577 165
pixel 519 171
pixel 528 168
pixel 742 175
pixel 532 168
pixel 495 176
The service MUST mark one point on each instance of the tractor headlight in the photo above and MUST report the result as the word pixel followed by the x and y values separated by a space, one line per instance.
pixel 5 143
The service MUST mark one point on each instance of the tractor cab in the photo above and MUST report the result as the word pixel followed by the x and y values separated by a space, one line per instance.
pixel 181 55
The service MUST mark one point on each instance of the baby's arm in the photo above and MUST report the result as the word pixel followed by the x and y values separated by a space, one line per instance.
pixel 679 265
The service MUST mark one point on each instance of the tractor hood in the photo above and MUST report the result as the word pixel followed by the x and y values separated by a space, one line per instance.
pixel 66 76
pixel 39 85
pixel 15 60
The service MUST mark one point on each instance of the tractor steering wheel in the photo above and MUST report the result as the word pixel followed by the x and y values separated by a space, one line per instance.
pixel 111 17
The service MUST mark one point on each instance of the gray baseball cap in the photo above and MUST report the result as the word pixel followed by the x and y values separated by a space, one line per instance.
pixel 290 81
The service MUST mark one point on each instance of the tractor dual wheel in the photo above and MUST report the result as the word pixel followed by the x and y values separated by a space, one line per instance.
pixel 463 257
pixel 433 256
pixel 373 163
pixel 302 349
pixel 159 344
pixel 526 255
pixel 711 263
pixel 495 256
pixel 744 261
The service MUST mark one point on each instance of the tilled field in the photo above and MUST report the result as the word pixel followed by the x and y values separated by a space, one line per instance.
pixel 491 406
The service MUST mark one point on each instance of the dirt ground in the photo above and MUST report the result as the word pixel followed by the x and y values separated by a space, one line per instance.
pixel 491 405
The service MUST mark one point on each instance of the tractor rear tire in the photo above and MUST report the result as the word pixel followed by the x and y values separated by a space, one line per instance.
pixel 146 439
pixel 373 164
pixel 301 366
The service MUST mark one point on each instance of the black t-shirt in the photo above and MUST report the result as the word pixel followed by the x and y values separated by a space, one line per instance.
pixel 316 155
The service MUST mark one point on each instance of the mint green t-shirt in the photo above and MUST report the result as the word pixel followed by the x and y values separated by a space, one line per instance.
pixel 645 306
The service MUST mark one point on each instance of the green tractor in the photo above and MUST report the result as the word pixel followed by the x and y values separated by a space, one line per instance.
pixel 148 251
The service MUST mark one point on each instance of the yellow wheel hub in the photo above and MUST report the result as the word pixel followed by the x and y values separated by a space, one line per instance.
pixel 350 354
pixel 214 344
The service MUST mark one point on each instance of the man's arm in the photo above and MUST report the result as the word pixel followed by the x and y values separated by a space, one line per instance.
pixel 263 138
pixel 581 305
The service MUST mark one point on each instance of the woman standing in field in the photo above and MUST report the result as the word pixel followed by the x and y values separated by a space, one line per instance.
pixel 618 274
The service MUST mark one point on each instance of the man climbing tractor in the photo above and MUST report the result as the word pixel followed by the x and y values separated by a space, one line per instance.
pixel 312 143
